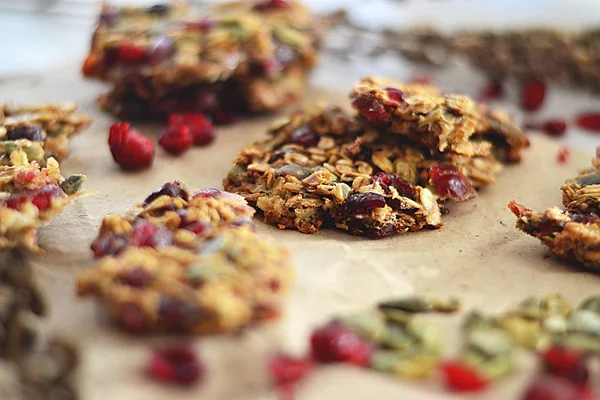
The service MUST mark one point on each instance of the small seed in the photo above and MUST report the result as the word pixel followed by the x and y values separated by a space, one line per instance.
pixel 584 321
pixel 369 326
pixel 555 325
pixel 591 303
pixel 492 342
pixel 588 180
pixel 72 184
pixel 408 304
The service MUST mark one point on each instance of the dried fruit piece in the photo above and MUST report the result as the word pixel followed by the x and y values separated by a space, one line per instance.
pixel 554 388
pixel 532 95
pixel 305 137
pixel 461 377
pixel 555 127
pixel 336 343
pixel 492 91
pixel 566 363
pixel 177 364
pixel 450 183
pixel 563 155
pixel 285 369
pixel 130 54
pixel 176 139
pixel 201 129
pixel 589 121
pixel 129 148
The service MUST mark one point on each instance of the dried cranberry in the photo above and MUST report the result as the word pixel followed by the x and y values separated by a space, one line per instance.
pixel 365 154
pixel 195 227
pixel 336 343
pixel 271 4
pixel 201 129
pixel 158 9
pixel 371 109
pixel 41 198
pixel 395 94
pixel 304 136
pixel 563 155
pixel 555 127
pixel 176 139
pixel 450 183
pixel 177 364
pixel 208 193
pixel 146 234
pixel 589 121
pixel 131 54
pixel 90 65
pixel 532 95
pixel 404 187
pixel 131 318
pixel 285 369
pixel 566 363
pixel 108 244
pixel 492 91
pixel 129 148
pixel 171 189
pixel 160 50
pixel 555 388
pixel 280 155
pixel 583 218
pixel 461 377
pixel 362 202
pixel 35 133
pixel 178 315
pixel 137 277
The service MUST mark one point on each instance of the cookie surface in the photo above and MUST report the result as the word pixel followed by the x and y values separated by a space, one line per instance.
pixel 183 262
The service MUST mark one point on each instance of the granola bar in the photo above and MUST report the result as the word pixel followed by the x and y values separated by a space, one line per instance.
pixel 441 122
pixel 236 57
pixel 31 195
pixel 572 233
pixel 41 131
pixel 183 262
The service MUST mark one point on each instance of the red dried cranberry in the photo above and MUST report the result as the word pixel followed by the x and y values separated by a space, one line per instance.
pixel 566 363
pixel 403 186
pixel 177 364
pixel 563 155
pixel 132 318
pixel 194 227
pixel 285 369
pixel 208 193
pixel 583 218
pixel 129 148
pixel 395 94
pixel 108 244
pixel 90 65
pixel 130 54
pixel 532 95
pixel 224 117
pixel 492 91
pixel 336 343
pixel 171 189
pixel 200 127
pixel 146 234
pixel 271 4
pixel 450 183
pixel 555 388
pixel 176 139
pixel 555 127
pixel 362 202
pixel 461 377
pixel 160 50
pixel 137 277
pixel 178 315
pixel 371 109
pixel 35 133
pixel 304 136
pixel 41 198
pixel 589 121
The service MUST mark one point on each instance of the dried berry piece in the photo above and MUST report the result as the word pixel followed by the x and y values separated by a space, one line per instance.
pixel 161 49
pixel 41 198
pixel 271 4
pixel 532 95
pixel 304 136
pixel 364 202
pixel 171 189
pixel 589 121
pixel 336 343
pixel 563 155
pixel 177 364
pixel 108 244
pixel 137 278
pixel 129 148
pixel 461 377
pixel 176 139
pixel 395 94
pixel 492 91
pixel 29 132
pixel 201 129
pixel 147 234
pixel 178 315
pixel 130 54
pixel 285 369
pixel 555 127
pixel 371 109
pixel 450 183
pixel 131 318
pixel 554 388
pixel 566 363
pixel 385 180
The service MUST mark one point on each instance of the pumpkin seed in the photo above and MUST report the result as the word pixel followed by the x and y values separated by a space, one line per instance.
pixel 426 333
pixel 491 342
pixel 396 316
pixel 524 332
pixel 592 304
pixel 369 326
pixel 555 325
pixel 396 337
pixel 588 180
pixel 72 184
pixel 580 341
pixel 407 304
pixel 584 321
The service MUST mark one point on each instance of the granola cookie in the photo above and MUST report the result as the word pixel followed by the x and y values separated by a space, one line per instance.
pixel 30 196
pixel 245 56
pixel 41 131
pixel 173 276
pixel 572 233
pixel 444 123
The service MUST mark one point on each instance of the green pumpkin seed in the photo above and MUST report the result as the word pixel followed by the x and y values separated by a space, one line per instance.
pixel 236 174
pixel 524 332
pixel 72 184
pixel 588 180
pixel 410 363
pixel 592 304
pixel 398 317
pixel 584 321
pixel 396 337
pixel 427 334
pixel 407 304
pixel 385 360
pixel 491 342
pixel 555 325
pixel 298 171
pixel 580 341
pixel 497 367
pixel 475 320
pixel 369 326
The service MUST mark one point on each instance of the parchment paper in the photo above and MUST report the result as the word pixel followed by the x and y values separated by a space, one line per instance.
pixel 478 255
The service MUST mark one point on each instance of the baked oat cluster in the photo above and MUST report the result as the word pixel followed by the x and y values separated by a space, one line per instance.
pixel 571 232
pixel 244 56
pixel 384 170
pixel 187 262
pixel 32 190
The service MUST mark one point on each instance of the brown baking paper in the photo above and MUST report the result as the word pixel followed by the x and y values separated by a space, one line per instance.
pixel 478 256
